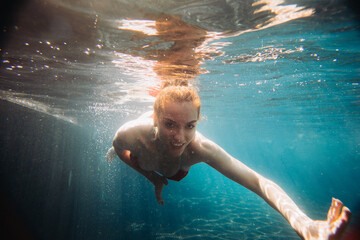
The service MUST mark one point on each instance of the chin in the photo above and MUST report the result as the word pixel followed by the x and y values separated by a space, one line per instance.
pixel 176 152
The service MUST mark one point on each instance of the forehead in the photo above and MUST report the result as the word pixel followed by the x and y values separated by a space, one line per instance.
pixel 180 112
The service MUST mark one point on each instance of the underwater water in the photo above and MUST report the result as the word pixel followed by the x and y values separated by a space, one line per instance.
pixel 279 83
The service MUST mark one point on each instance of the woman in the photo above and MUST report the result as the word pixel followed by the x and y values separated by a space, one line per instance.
pixel 164 145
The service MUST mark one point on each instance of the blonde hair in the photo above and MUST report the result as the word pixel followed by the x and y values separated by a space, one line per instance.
pixel 176 91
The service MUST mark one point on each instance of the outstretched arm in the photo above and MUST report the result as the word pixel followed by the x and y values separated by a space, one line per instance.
pixel 333 228
pixel 275 196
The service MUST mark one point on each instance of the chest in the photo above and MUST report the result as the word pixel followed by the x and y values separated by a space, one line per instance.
pixel 162 164
pixel 149 159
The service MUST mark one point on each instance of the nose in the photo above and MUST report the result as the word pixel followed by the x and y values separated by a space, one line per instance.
pixel 179 135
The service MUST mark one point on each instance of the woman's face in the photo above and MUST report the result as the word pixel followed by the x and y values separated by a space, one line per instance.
pixel 177 126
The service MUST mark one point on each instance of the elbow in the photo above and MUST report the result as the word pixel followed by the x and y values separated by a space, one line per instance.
pixel 265 187
pixel 117 144
pixel 117 140
pixel 255 185
pixel 119 150
pixel 114 143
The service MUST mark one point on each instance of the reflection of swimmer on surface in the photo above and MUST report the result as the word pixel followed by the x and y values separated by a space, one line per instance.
pixel 181 60
pixel 164 144
pixel 174 44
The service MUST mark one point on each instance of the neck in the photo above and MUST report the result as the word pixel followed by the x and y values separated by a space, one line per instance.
pixel 163 152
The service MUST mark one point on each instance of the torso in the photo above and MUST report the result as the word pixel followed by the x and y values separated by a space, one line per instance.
pixel 149 158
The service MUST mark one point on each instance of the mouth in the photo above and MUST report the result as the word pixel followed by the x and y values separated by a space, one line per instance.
pixel 177 145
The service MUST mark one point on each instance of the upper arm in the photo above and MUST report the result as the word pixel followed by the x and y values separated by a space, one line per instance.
pixel 126 136
pixel 219 159
pixel 122 139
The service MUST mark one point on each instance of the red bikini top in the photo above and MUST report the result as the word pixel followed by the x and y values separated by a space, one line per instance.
pixel 177 177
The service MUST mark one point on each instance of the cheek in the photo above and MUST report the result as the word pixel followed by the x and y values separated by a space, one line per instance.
pixel 164 133
pixel 190 135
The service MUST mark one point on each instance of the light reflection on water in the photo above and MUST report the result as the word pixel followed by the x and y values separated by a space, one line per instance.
pixel 97 54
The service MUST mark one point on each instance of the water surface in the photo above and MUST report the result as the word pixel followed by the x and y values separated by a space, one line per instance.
pixel 279 83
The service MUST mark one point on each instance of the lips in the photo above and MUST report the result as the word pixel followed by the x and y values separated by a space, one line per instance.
pixel 177 145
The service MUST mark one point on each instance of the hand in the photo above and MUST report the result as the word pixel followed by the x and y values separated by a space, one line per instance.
pixel 337 219
pixel 159 182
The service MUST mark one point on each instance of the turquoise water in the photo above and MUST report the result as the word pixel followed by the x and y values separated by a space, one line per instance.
pixel 284 99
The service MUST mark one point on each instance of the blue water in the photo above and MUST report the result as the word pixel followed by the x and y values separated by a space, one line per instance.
pixel 283 99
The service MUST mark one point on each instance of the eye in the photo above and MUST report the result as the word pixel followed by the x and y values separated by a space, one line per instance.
pixel 190 126
pixel 169 124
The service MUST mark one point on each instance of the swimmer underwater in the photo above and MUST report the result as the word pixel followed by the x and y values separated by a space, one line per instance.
pixel 164 144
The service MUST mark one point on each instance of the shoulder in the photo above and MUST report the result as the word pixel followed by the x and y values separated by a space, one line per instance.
pixel 202 143
pixel 206 150
pixel 133 131
pixel 140 124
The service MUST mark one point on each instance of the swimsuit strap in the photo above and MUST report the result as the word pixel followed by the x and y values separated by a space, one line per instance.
pixel 181 161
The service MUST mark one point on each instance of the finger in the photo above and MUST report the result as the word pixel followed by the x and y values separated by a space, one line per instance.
pixel 159 200
pixel 335 210
pixel 165 181
pixel 346 214
pixel 339 226
pixel 158 190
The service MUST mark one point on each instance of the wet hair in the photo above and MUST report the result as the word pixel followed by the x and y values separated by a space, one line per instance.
pixel 176 91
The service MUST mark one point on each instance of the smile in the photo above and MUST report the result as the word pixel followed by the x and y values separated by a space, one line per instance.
pixel 177 145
